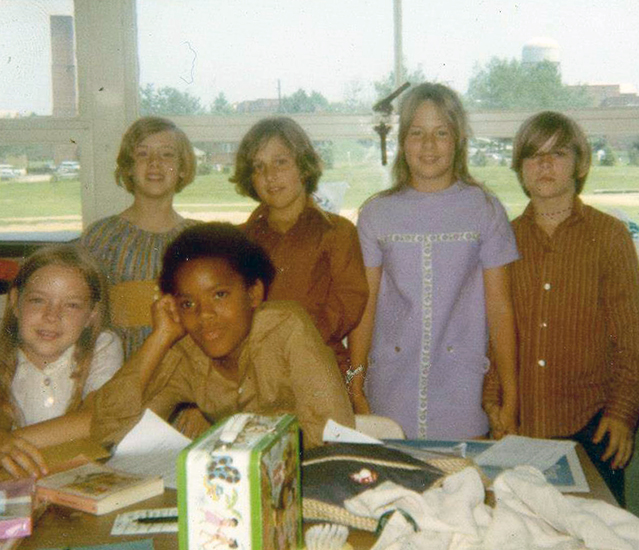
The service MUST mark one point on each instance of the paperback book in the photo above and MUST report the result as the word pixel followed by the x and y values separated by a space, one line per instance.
pixel 97 489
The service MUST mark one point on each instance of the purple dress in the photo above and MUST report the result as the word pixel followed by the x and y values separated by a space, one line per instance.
pixel 428 355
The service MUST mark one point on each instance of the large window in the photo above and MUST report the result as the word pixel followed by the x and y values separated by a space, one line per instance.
pixel 78 73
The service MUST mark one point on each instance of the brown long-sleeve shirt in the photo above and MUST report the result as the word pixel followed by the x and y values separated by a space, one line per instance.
pixel 576 299
pixel 284 367
pixel 319 264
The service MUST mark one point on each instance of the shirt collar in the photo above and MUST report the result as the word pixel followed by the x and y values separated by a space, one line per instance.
pixel 65 359
pixel 311 212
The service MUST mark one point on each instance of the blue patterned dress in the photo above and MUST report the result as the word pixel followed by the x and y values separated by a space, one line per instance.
pixel 127 253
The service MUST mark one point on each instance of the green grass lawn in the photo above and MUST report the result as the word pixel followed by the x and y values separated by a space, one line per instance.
pixel 353 165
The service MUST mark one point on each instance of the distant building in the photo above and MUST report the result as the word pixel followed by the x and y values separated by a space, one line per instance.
pixel 258 106
pixel 540 49
pixel 612 95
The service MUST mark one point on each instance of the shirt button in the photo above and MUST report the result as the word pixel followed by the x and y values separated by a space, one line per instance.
pixel 449 349
pixel 541 363
pixel 240 390
pixel 47 381
pixel 543 325
pixel 547 286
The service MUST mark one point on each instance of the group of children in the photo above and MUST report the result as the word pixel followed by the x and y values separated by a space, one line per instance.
pixel 432 282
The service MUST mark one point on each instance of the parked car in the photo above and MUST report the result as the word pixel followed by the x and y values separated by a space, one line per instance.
pixel 8 172
pixel 68 170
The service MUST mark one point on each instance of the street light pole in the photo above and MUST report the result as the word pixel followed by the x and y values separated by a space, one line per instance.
pixel 397 18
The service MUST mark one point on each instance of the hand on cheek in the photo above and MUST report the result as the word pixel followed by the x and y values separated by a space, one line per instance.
pixel 166 319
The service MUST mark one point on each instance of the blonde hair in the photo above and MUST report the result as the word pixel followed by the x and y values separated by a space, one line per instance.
pixel 293 136
pixel 451 108
pixel 558 130
pixel 138 132
pixel 67 256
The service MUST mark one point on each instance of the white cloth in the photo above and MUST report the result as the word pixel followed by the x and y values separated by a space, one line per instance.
pixel 43 394
pixel 529 514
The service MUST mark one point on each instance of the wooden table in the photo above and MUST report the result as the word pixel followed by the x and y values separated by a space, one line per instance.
pixel 61 527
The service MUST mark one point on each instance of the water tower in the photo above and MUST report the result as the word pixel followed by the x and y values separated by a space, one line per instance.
pixel 540 49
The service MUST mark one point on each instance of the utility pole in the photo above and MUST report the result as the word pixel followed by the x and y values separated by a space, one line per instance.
pixel 397 17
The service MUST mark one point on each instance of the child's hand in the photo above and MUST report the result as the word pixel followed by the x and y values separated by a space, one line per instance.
pixel 21 458
pixel 166 320
pixel 497 429
pixel 620 441
pixel 508 420
pixel 359 402
pixel 191 422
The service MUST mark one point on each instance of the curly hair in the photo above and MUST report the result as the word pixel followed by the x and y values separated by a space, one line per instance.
pixel 217 240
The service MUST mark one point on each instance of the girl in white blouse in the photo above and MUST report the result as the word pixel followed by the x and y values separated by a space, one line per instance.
pixel 55 351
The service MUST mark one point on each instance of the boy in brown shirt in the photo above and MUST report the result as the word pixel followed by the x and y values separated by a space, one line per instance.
pixel 217 344
pixel 576 299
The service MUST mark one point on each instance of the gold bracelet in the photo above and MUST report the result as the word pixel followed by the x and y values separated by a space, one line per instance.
pixel 352 373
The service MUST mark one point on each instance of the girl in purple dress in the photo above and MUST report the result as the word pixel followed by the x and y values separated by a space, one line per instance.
pixel 436 248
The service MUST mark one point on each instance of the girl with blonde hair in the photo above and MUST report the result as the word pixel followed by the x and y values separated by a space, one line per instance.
pixel 55 351
pixel 436 246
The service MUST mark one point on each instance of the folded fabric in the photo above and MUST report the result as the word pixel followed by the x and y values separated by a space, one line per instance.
pixel 529 514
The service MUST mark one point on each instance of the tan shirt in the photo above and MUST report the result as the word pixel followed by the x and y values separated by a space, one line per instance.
pixel 284 367
pixel 319 264
pixel 576 299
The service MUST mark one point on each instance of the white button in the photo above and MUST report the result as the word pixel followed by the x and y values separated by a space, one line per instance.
pixel 547 286
pixel 240 390
pixel 544 324
pixel 541 363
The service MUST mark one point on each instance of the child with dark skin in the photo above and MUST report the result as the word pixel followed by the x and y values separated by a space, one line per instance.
pixel 216 343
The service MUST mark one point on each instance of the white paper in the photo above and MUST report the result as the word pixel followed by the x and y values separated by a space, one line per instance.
pixel 516 450
pixel 150 448
pixel 126 524
pixel 336 433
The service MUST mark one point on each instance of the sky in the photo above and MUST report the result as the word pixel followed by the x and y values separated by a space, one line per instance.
pixel 247 48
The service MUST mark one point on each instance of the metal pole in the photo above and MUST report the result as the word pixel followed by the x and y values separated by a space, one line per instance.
pixel 397 16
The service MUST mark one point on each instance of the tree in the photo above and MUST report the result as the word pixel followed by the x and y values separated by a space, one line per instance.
pixel 633 152
pixel 504 84
pixel 168 101
pixel 355 97
pixel 385 86
pixel 301 102
pixel 221 106
pixel 603 152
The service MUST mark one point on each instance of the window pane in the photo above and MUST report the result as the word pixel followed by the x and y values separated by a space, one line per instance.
pixel 38 58
pixel 269 58
pixel 525 55
pixel 39 198
pixel 258 54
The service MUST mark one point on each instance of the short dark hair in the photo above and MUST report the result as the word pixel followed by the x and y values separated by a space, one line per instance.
pixel 217 240
pixel 293 136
